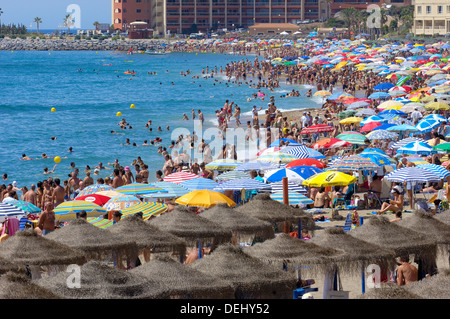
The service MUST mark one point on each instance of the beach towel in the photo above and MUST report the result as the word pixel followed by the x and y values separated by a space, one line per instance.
pixel 11 226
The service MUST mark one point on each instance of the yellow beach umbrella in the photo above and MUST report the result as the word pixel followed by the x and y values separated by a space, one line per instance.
pixel 322 93
pixel 394 107
pixel 390 103
pixel 329 178
pixel 438 106
pixel 351 120
pixel 204 198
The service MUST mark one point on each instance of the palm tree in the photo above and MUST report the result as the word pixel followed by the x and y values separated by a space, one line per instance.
pixel 68 22
pixel 349 16
pixel 0 20
pixel 37 20
pixel 96 23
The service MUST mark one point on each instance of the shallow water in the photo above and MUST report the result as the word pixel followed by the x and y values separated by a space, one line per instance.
pixel 86 103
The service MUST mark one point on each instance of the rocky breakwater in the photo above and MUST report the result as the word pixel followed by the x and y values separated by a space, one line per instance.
pixel 73 45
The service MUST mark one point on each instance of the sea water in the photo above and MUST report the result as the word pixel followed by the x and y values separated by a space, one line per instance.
pixel 88 88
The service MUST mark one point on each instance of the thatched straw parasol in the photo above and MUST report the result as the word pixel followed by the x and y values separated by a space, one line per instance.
pixel 18 286
pixel 265 208
pixel 358 252
pixel 380 231
pixel 6 266
pixel 434 287
pixel 182 281
pixel 250 277
pixel 243 227
pixel 389 291
pixel 185 224
pixel 30 249
pixel 96 280
pixel 96 243
pixel 443 217
pixel 148 238
pixel 288 250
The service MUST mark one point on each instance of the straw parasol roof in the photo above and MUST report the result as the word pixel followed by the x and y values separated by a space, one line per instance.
pixel 19 286
pixel 6 266
pixel 28 248
pixel 100 281
pixel 146 236
pixel 182 281
pixel 238 223
pixel 263 207
pixel 95 242
pixel 380 231
pixel 185 224
pixel 250 277
pixel 291 250
pixel 434 287
pixel 443 217
pixel 357 250
pixel 388 291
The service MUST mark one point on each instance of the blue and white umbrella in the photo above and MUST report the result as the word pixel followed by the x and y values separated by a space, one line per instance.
pixel 201 183
pixel 8 210
pixel 171 190
pixel 257 165
pixel 378 159
pixel 312 153
pixel 292 187
pixel 298 151
pixel 379 95
pixel 392 111
pixel 403 128
pixel 384 86
pixel 230 175
pixel 357 105
pixel 381 135
pixel 242 183
pixel 437 169
pixel 425 126
pixel 295 174
pixel 373 150
pixel 285 140
pixel 412 175
pixel 435 117
pixel 293 197
pixel 406 141
pixel 373 118
pixel 416 148
pixel 400 121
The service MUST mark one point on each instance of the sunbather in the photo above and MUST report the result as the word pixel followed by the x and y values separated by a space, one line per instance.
pixel 394 205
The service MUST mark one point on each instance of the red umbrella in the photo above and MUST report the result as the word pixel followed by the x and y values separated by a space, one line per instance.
pixel 330 143
pixel 370 126
pixel 317 129
pixel 95 198
pixel 307 162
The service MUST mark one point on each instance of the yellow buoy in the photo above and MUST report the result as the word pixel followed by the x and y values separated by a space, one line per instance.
pixel 132 106
pixel 57 159
pixel 119 113
pixel 53 109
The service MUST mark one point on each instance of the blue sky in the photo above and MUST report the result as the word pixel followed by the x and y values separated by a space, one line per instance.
pixel 52 12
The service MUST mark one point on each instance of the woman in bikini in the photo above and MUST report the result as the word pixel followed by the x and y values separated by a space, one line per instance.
pixel 394 205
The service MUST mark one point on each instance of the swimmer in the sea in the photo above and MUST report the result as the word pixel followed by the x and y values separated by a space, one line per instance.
pixel 25 158
pixel 46 171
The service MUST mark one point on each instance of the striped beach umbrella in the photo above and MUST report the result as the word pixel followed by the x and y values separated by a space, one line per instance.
pixel 121 202
pixel 92 189
pixel 199 184
pixel 100 222
pixel 8 210
pixel 314 154
pixel 171 190
pixel 321 128
pixel 407 140
pixel 255 165
pixel 223 165
pixel 243 183
pixel 353 163
pixel 412 174
pixel 68 210
pixel 277 187
pixel 381 135
pixel 295 174
pixel 179 177
pixel 425 126
pixel 277 157
pixel 138 189
pixel 298 151
pixel 294 198
pixel 27 207
pixel 228 176
pixel 148 209
pixel 439 170
pixel 416 148
pixel 352 137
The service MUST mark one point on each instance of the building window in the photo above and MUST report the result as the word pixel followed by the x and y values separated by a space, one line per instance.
pixel 448 9
pixel 440 11
pixel 138 1
pixel 419 9
pixel 428 9
pixel 138 10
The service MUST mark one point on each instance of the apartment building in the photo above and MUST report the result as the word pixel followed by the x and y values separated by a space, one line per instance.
pixel 431 17
pixel 126 11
